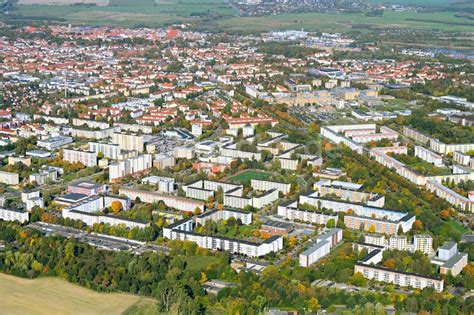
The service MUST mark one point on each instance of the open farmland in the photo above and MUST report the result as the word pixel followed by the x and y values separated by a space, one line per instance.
pixel 64 2
pixel 56 296
pixel 218 14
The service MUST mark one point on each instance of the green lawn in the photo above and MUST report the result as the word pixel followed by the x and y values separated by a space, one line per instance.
pixel 245 177
pixel 197 263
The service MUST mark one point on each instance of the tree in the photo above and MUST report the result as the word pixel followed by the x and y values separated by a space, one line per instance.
pixel 358 279
pixel 330 223
pixel 116 206
pixel 313 304
pixel 372 229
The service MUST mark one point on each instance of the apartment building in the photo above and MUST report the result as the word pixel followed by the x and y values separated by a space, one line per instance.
pixel 109 150
pixel 86 158
pixel 332 134
pixel 398 242
pixel 444 148
pixel 9 178
pixel 87 188
pixel 403 279
pixel 360 215
pixel 216 215
pixel 19 159
pixel 93 218
pixel 231 150
pixel 54 142
pixel 45 175
pixel 450 195
pixel 162 161
pixel 321 248
pixel 265 185
pixel 179 203
pixel 233 193
pixel 183 230
pixel 380 155
pixel 165 184
pixel 450 260
pixel 423 243
pixel 131 166
pixel 32 199
pixel 130 142
pixel 416 135
pixel 14 215
pixel 429 156
pixel 375 239
pixel 291 211
pixel 463 159
pixel 94 134
pixel 348 191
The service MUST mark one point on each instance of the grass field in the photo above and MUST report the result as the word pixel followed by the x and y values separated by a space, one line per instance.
pixel 56 296
pixel 335 22
pixel 130 13
pixel 197 263
pixel 245 177
pixel 218 14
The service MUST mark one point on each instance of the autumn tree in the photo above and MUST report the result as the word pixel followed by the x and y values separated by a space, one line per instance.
pixel 116 206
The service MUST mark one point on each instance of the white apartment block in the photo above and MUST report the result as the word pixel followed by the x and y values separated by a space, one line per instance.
pixel 290 211
pixel 88 205
pixel 14 215
pixel 135 128
pixel 423 243
pixel 429 156
pixel 43 176
pixel 321 248
pixel 92 218
pixel 183 230
pixel 162 161
pixel 231 150
pixel 416 135
pixel 94 134
pixel 87 158
pixel 463 159
pixel 444 148
pixel 450 260
pixel 110 151
pixel 332 134
pixel 130 166
pixel 348 191
pixel 182 204
pixel 54 142
pixel 130 142
pixel 225 214
pixel 165 184
pixel 399 278
pixel 265 185
pixel 375 239
pixel 9 178
pixel 380 155
pixel 450 195
pixel 398 242
pixel 90 123
pixel 32 199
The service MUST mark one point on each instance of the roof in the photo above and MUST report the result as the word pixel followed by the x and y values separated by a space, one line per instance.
pixel 451 262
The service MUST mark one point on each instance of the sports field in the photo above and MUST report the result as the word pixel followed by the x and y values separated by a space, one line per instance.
pixel 56 296
pixel 245 177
